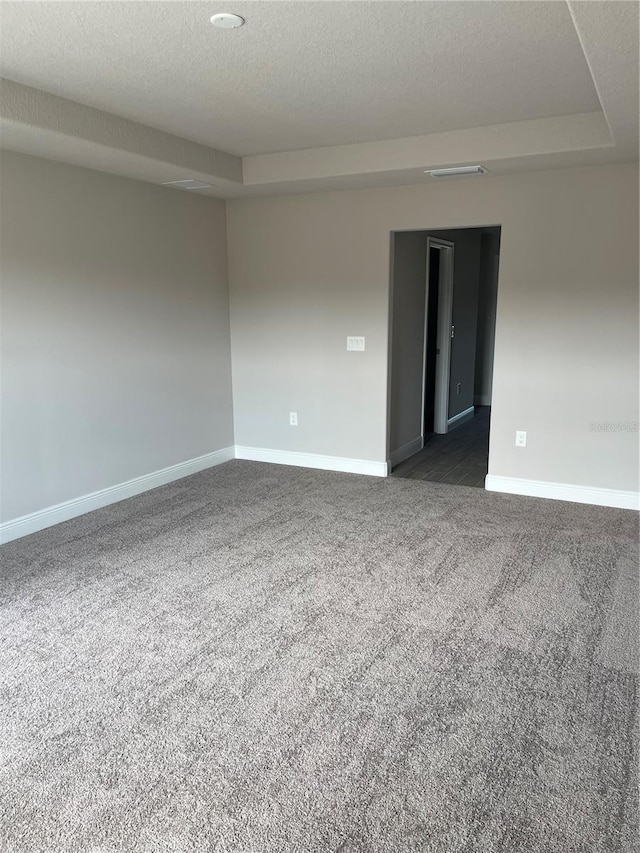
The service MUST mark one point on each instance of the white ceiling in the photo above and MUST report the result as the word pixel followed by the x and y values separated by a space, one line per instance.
pixel 311 94
pixel 303 74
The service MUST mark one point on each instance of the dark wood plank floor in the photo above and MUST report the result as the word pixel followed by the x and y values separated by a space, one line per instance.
pixel 461 456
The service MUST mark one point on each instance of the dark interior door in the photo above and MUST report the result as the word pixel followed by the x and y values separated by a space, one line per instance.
pixel 432 334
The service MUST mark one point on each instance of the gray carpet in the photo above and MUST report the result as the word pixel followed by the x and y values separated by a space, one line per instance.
pixel 261 659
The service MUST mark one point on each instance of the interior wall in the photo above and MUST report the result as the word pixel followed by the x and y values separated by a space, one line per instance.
pixel 487 302
pixel 115 331
pixel 308 270
pixel 408 282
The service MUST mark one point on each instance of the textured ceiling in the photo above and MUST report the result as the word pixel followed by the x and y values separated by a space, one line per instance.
pixel 303 74
pixel 319 96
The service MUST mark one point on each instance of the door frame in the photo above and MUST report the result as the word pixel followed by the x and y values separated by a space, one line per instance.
pixel 444 334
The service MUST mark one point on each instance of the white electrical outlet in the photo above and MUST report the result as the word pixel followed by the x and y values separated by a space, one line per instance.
pixel 521 438
pixel 356 344
pixel 293 419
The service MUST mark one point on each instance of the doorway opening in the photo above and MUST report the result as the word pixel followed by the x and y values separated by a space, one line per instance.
pixel 443 308
pixel 437 337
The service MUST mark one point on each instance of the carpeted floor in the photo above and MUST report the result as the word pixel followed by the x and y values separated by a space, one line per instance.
pixel 260 659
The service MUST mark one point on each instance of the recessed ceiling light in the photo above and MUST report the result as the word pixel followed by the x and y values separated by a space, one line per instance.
pixel 227 21
pixel 456 170
pixel 187 185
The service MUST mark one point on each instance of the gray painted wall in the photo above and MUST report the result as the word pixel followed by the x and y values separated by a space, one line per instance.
pixel 308 270
pixel 487 302
pixel 115 331
pixel 407 336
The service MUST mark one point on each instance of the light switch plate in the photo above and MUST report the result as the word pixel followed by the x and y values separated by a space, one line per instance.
pixel 355 343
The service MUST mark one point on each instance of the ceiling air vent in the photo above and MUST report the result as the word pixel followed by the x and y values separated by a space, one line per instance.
pixel 456 170
pixel 187 185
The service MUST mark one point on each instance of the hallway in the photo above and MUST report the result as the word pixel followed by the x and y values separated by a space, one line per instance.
pixel 459 457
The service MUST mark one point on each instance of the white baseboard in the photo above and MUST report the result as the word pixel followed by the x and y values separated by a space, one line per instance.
pixel 461 417
pixel 50 516
pixel 312 460
pixel 404 452
pixel 35 521
pixel 564 492
pixel 482 400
